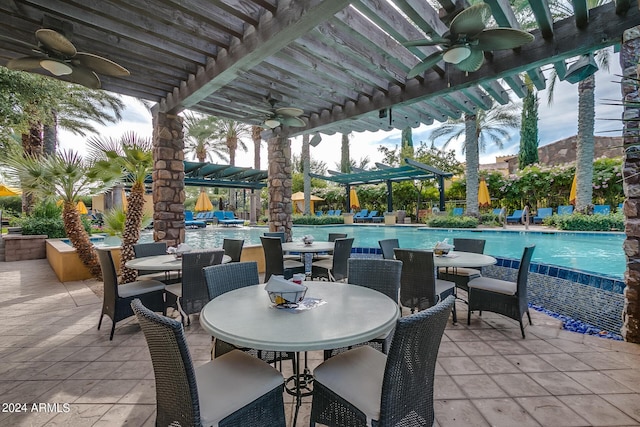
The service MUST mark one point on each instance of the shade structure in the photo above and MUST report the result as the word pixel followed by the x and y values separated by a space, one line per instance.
pixel 572 194
pixel 298 202
pixel 353 199
pixel 6 191
pixel 484 201
pixel 82 208
pixel 203 204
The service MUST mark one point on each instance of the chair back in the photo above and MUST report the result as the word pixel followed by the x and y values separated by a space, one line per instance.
pixel 233 248
pixel 418 280
pixel 458 211
pixel 176 388
pixel 387 246
pixel 195 294
pixel 341 254
pixel 150 249
pixel 279 234
pixel 274 260
pixel 565 210
pixel 475 246
pixel 407 384
pixel 188 216
pixel 109 278
pixel 334 236
pixel 523 272
pixel 382 275
pixel 227 277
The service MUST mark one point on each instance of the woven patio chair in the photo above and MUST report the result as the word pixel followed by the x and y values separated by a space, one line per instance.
pixel 141 250
pixel 501 296
pixel 382 275
pixel 233 248
pixel 332 238
pixel 335 267
pixel 363 387
pixel 116 302
pixel 387 246
pixel 191 294
pixel 461 276
pixel 283 239
pixel 233 390
pixel 419 288
pixel 274 259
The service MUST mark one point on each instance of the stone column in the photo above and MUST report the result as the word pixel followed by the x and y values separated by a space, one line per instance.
pixel 168 179
pixel 629 56
pixel 279 185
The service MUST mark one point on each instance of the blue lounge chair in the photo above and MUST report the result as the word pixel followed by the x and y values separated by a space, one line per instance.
pixel 602 209
pixel 497 211
pixel 330 212
pixel 565 210
pixel 318 213
pixel 224 220
pixel 200 216
pixel 516 216
pixel 542 214
pixel 337 212
pixel 359 215
pixel 209 218
pixel 458 211
pixel 372 214
pixel 620 207
pixel 192 223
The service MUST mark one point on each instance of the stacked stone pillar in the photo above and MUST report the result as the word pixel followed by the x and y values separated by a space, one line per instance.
pixel 168 179
pixel 279 185
pixel 629 57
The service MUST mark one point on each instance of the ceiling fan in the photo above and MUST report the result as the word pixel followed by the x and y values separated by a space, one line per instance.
pixel 56 54
pixel 467 40
pixel 288 116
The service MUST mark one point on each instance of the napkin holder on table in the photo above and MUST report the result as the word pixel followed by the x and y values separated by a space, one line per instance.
pixel 283 292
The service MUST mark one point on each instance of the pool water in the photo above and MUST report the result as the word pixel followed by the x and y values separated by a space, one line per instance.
pixel 593 252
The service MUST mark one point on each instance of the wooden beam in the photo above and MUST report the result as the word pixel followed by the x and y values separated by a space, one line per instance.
pixel 622 6
pixel 498 93
pixel 423 15
pixel 477 96
pixel 561 69
pixel 517 85
pixel 503 13
pixel 291 20
pixel 543 17
pixel 444 106
pixel 537 78
pixel 581 13
pixel 460 101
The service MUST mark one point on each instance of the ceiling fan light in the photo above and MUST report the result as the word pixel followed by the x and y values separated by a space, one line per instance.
pixel 456 54
pixel 56 68
pixel 272 123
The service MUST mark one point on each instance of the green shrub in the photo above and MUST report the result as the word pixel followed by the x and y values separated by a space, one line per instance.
pixel 580 222
pixel 489 219
pixel 317 220
pixel 453 222
pixel 52 227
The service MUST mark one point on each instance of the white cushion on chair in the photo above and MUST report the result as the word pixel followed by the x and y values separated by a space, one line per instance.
pixel 443 286
pixel 469 272
pixel 356 376
pixel 494 285
pixel 324 263
pixel 140 287
pixel 289 263
pixel 230 382
pixel 175 289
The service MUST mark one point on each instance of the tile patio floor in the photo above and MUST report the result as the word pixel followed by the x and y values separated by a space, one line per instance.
pixel 50 351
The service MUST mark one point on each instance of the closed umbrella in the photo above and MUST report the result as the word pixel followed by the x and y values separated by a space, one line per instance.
pixel 353 197
pixel 203 204
pixel 572 194
pixel 82 208
pixel 6 191
pixel 484 201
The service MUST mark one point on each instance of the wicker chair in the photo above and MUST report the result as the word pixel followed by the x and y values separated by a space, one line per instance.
pixel 141 250
pixel 387 246
pixel 501 296
pixel 233 248
pixel 116 302
pixel 462 276
pixel 364 387
pixel 190 295
pixel 332 238
pixel 283 239
pixel 419 288
pixel 382 275
pixel 334 268
pixel 233 390
pixel 274 259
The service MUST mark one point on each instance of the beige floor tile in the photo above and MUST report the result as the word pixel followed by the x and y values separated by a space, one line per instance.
pixel 478 386
pixel 445 388
pixel 549 411
pixel 460 335
pixel 539 346
pixel 565 362
pixel 62 370
pixel 596 410
pixel 476 348
pixel 143 393
pixel 68 391
pixel 627 403
pixel 602 360
pixel 108 391
pixel 126 415
pixel 558 383
pixel 79 416
pixel 495 364
pixel 28 391
pixel 31 418
pixel 458 413
pixel 629 377
pixel 530 363
pixel 459 365
pixel 508 347
pixel 569 346
pixel 489 334
pixel 132 370
pixel 598 382
pixel 519 385
pixel 449 349
pixel 504 413
pixel 87 354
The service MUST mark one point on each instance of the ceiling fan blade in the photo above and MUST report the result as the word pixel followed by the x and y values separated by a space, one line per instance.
pixel 85 77
pixel 289 111
pixel 434 41
pixel 53 40
pixel 99 64
pixel 502 38
pixel 470 21
pixel 427 63
pixel 473 62
pixel 24 64
pixel 294 122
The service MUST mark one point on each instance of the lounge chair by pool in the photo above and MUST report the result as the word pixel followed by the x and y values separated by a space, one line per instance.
pixel 516 216
pixel 226 219
pixel 602 209
pixel 565 210
pixel 359 215
pixel 542 214
pixel 192 223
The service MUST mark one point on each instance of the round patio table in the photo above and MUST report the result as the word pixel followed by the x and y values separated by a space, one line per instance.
pixel 161 263
pixel 463 259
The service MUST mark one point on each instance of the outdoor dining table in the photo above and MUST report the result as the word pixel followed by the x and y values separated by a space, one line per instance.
pixel 303 249
pixel 457 259
pixel 161 263
pixel 350 315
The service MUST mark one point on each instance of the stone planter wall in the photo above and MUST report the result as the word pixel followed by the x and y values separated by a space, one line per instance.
pixel 20 248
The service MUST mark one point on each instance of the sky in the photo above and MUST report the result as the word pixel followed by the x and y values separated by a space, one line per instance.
pixel 556 121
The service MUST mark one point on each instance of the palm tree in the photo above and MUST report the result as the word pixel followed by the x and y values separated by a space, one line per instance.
pixel 130 156
pixel 306 165
pixel 478 130
pixel 201 138
pixel 64 176
pixel 345 165
pixel 232 133
pixel 257 144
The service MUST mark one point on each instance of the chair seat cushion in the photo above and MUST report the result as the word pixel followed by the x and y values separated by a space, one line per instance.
pixel 494 285
pixel 324 263
pixel 444 287
pixel 230 382
pixel 175 289
pixel 140 287
pixel 468 272
pixel 160 276
pixel 356 376
pixel 289 263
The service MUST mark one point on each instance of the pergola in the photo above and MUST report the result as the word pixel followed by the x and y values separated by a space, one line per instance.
pixel 342 62
pixel 410 171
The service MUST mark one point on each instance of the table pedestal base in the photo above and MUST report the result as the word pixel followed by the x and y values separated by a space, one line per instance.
pixel 299 384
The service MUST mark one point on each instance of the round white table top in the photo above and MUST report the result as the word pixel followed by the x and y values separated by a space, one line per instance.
pixel 463 259
pixel 314 247
pixel 161 263
pixel 352 314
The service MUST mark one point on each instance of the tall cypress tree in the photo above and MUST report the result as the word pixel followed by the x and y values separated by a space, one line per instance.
pixel 529 129
pixel 406 149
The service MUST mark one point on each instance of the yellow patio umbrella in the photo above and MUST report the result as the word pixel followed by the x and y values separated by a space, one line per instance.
pixel 298 201
pixel 203 204
pixel 353 197
pixel 82 208
pixel 484 201
pixel 572 194
pixel 6 191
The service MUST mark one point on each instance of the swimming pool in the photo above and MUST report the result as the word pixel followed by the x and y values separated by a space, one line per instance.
pixel 593 252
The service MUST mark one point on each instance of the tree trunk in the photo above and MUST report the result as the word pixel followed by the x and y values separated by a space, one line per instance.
pixel 585 145
pixel 131 233
pixel 80 239
pixel 345 164
pixel 31 146
pixel 257 144
pixel 50 136
pixel 472 155
pixel 306 164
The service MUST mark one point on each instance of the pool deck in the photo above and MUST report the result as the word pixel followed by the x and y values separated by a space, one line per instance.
pixel 51 351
